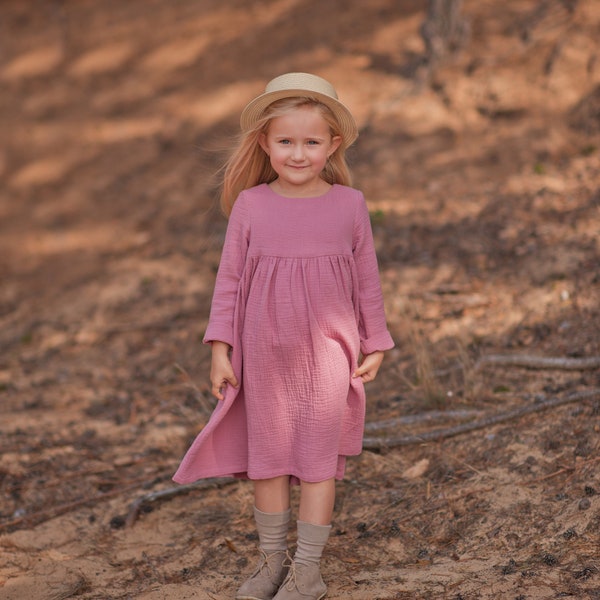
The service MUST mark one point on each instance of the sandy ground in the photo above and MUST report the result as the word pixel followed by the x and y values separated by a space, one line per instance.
pixel 483 182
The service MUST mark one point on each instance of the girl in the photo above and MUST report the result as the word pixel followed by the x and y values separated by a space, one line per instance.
pixel 297 304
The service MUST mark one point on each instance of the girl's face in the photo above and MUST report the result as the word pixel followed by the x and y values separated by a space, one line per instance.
pixel 298 145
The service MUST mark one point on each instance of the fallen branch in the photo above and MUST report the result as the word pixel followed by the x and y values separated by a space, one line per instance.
pixel 431 415
pixel 180 490
pixel 370 443
pixel 540 362
pixel 41 516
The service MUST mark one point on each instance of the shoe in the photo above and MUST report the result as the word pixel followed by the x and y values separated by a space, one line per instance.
pixel 303 582
pixel 267 577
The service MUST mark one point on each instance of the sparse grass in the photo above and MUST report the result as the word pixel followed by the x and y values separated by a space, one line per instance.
pixel 425 380
pixel 439 376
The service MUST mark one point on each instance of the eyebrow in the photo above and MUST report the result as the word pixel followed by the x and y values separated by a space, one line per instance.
pixel 280 136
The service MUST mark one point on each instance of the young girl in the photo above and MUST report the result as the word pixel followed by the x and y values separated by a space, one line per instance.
pixel 297 326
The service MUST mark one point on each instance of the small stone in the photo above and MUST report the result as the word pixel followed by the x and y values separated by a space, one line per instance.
pixel 584 504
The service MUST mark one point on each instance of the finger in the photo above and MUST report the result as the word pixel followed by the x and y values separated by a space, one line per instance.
pixel 216 391
pixel 367 374
pixel 359 371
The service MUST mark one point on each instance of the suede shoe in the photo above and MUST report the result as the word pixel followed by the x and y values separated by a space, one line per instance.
pixel 267 577
pixel 303 582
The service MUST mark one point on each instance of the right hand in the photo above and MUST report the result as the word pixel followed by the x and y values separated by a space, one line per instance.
pixel 221 371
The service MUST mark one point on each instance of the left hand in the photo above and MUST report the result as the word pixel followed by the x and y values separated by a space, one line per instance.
pixel 367 370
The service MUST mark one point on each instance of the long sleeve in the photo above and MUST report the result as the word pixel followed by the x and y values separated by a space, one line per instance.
pixel 231 266
pixel 373 331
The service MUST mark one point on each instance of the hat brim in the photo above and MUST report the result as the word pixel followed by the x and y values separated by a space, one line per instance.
pixel 255 109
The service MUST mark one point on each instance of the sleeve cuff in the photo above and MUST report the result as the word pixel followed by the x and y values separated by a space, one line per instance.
pixel 218 334
pixel 377 343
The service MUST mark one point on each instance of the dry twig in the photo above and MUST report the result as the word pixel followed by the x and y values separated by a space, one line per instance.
pixel 371 443
pixel 540 362
pixel 562 471
pixel 423 417
pixel 51 512
pixel 167 494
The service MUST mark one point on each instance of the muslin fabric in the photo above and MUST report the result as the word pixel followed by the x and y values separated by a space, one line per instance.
pixel 298 298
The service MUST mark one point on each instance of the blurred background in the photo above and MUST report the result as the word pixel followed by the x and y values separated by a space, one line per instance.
pixel 479 154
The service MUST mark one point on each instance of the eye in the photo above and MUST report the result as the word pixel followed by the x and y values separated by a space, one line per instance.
pixel 313 143
pixel 284 142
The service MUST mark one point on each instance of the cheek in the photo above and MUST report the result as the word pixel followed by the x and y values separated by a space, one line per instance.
pixel 324 157
pixel 275 154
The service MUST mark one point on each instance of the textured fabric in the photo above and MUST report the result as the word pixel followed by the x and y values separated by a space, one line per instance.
pixel 311 542
pixel 298 297
pixel 272 529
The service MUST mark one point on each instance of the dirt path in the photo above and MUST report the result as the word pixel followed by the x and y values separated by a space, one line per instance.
pixel 485 197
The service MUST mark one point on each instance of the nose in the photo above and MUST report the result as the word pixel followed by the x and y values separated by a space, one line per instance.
pixel 298 152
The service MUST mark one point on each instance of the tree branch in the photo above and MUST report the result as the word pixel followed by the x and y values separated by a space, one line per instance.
pixel 541 362
pixel 370 443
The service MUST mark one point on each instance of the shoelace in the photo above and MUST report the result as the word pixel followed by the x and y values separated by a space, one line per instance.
pixel 290 580
pixel 264 564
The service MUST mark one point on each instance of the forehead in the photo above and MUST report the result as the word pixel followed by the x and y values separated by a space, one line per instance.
pixel 300 119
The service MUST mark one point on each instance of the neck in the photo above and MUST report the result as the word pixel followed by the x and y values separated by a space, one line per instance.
pixel 318 189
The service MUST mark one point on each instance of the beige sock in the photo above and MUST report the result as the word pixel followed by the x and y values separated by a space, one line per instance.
pixel 311 541
pixel 272 530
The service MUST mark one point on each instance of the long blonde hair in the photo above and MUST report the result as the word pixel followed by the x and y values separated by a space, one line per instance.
pixel 249 165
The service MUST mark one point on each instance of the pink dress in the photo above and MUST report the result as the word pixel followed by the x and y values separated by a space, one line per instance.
pixel 298 297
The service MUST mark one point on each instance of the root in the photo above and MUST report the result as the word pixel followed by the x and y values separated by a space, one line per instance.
pixel 167 494
pixel 33 519
pixel 370 443
pixel 540 362
pixel 424 417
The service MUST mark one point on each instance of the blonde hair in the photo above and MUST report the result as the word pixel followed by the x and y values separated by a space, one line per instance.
pixel 249 165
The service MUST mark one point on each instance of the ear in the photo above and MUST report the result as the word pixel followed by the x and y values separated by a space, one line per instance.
pixel 262 140
pixel 336 141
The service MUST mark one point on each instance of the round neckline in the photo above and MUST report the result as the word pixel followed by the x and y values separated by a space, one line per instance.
pixel 300 197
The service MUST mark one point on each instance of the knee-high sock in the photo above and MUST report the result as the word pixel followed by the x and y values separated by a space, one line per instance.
pixel 311 541
pixel 272 530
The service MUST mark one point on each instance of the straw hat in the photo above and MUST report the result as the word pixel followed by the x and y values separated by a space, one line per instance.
pixel 305 85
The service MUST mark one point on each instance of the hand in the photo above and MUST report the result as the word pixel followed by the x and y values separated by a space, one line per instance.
pixel 367 370
pixel 221 371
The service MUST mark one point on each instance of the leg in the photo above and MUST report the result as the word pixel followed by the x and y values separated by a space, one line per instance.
pixel 317 501
pixel 304 581
pixel 272 516
pixel 272 495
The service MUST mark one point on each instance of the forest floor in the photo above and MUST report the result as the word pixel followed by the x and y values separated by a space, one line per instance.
pixel 483 183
